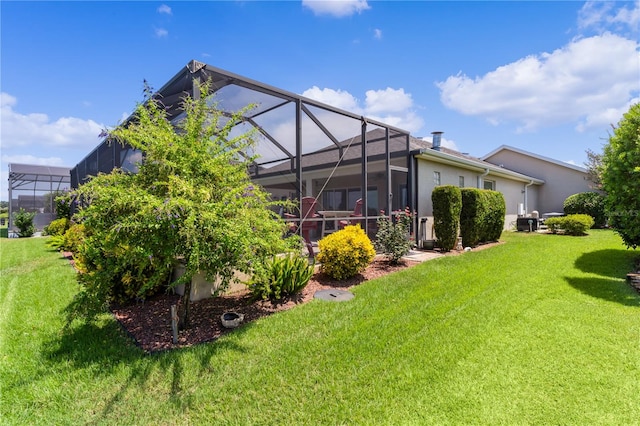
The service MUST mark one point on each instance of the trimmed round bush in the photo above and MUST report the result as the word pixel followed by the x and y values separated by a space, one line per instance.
pixel 345 253
pixel 591 203
pixel 573 224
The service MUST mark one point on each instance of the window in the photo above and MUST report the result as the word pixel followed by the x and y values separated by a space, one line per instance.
pixel 345 199
pixel 334 199
pixel 490 184
pixel 461 181
pixel 436 178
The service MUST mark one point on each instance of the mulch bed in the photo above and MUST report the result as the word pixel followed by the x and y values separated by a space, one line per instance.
pixel 149 323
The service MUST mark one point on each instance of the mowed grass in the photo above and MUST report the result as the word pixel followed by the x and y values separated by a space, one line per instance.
pixel 540 330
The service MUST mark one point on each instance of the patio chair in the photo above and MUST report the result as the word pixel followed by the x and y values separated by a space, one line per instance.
pixel 357 213
pixel 309 206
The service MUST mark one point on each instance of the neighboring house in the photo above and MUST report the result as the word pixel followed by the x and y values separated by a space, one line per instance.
pixel 562 179
pixel 34 189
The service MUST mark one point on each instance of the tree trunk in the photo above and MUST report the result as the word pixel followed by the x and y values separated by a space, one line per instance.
pixel 184 306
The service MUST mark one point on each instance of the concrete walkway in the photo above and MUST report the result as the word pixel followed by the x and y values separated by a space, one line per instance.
pixel 421 256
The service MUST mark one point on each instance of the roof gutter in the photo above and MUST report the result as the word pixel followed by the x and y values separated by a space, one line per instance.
pixel 478 166
pixel 526 196
pixel 481 178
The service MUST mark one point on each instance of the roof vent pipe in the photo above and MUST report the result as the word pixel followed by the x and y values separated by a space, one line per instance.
pixel 435 140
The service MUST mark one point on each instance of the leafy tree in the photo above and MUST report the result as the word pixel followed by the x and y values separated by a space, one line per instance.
pixel 621 177
pixel 192 201
pixel 591 203
pixel 594 169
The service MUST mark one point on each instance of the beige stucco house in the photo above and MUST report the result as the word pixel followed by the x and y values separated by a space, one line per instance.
pixel 441 166
pixel 561 179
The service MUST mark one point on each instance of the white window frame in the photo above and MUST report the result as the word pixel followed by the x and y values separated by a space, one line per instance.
pixel 491 182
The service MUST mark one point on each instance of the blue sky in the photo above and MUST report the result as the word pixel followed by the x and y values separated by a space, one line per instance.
pixel 547 77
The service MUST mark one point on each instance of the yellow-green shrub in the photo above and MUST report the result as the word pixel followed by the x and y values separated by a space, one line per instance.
pixel 57 227
pixel 74 236
pixel 345 253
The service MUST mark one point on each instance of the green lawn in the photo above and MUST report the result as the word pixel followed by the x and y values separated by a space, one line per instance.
pixel 540 330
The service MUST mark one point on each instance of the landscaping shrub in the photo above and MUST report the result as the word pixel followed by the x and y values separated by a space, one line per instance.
pixel 447 205
pixel 282 277
pixel 393 237
pixel 192 199
pixel 472 216
pixel 74 236
pixel 591 203
pixel 482 216
pixel 345 253
pixel 70 240
pixel 57 227
pixel 63 206
pixel 23 220
pixel 575 224
pixel 494 218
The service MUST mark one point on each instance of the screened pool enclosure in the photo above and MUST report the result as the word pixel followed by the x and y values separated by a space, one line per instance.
pixel 351 166
pixel 34 188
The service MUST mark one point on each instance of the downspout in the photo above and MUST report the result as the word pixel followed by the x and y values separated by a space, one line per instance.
pixel 526 197
pixel 480 178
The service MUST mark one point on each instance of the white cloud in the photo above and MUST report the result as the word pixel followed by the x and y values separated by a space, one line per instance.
pixel 606 116
pixel 337 8
pixel 603 15
pixel 390 106
pixel 336 98
pixel 161 32
pixel 387 100
pixel 37 129
pixel 32 159
pixel 377 34
pixel 575 84
pixel 165 9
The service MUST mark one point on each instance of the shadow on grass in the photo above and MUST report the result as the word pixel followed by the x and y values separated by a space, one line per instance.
pixel 90 344
pixel 606 289
pixel 107 351
pixel 608 263
pixel 170 363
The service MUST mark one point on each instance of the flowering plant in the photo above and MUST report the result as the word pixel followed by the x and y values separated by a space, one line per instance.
pixel 394 234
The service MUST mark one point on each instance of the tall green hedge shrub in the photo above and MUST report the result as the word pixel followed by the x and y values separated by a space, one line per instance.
pixel 472 216
pixel 494 218
pixel 482 216
pixel 447 205
pixel 591 203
